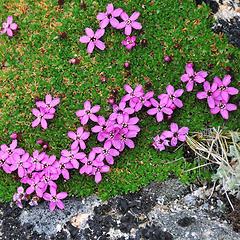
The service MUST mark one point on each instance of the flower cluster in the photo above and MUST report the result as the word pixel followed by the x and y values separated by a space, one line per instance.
pixel 167 103
pixel 9 26
pixel 217 94
pixel 110 17
pixel 175 135
pixel 39 171
pixel 46 111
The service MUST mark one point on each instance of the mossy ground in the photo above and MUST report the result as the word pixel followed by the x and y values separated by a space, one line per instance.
pixel 35 62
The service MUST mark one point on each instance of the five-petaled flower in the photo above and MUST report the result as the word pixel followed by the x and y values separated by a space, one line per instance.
pixel 41 115
pixel 223 107
pixel 55 198
pixel 129 42
pixel 176 134
pixel 49 104
pixel 191 77
pixel 93 39
pixel 160 142
pixel 129 22
pixel 79 138
pixel 87 113
pixel 109 16
pixel 9 26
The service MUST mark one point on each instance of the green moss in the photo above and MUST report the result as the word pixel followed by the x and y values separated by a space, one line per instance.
pixel 35 63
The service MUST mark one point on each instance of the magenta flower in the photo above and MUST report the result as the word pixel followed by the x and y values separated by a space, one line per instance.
pixel 9 26
pixel 106 152
pixel 208 93
pixel 93 39
pixel 129 22
pixel 35 161
pixel 49 104
pixel 129 123
pixel 133 95
pixel 12 149
pixel 110 136
pixel 159 109
pixel 13 136
pixel 102 128
pixel 54 198
pixel 62 166
pixel 98 168
pixel 73 156
pixel 176 134
pixel 87 113
pixel 160 142
pixel 144 101
pixel 172 96
pixel 36 185
pixel 20 164
pixel 48 162
pixel 223 90
pixel 88 163
pixel 19 196
pixel 223 107
pixel 190 77
pixel 123 138
pixel 48 180
pixel 119 111
pixel 130 42
pixel 4 162
pixel 41 117
pixel 109 16
pixel 79 138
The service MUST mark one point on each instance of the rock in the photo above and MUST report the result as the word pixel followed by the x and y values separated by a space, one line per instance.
pixel 190 200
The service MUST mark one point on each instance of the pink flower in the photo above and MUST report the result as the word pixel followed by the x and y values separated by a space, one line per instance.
pixel 129 43
pixel 123 138
pixel 109 16
pixel 223 90
pixel 172 96
pixel 19 196
pixel 88 163
pixel 119 111
pixel 159 109
pixel 4 162
pixel 49 104
pixel 93 39
pixel 129 123
pixel 129 22
pixel 190 77
pixel 35 161
pixel 13 136
pixel 160 142
pixel 106 152
pixel 87 113
pixel 79 138
pixel 73 156
pixel 12 149
pixel 36 185
pixel 9 26
pixel 98 168
pixel 73 60
pixel 54 198
pixel 208 93
pixel 102 128
pixel 176 134
pixel 223 107
pixel 20 163
pixel 48 162
pixel 133 95
pixel 144 101
pixel 62 167
pixel 41 117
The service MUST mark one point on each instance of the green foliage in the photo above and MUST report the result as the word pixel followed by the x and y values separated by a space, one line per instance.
pixel 36 62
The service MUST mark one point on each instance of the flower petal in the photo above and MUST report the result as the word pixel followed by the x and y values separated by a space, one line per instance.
pixel 101 16
pixel 109 8
pixel 13 26
pixel 84 39
pixel 104 23
pixel 114 22
pixel 124 16
pixel 99 33
pixel 128 30
pixel 89 32
pixel 136 25
pixel 90 47
pixel 100 45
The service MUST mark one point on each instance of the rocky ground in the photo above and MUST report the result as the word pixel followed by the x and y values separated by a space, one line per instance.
pixel 227 14
pixel 160 211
